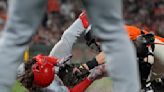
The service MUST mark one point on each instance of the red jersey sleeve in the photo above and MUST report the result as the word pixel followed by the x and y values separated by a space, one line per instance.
pixel 82 86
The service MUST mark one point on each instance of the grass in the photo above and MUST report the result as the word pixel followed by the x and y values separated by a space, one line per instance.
pixel 18 88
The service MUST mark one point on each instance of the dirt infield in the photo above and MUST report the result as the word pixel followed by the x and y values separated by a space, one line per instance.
pixel 102 85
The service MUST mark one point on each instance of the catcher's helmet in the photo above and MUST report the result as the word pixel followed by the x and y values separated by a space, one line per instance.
pixel 43 70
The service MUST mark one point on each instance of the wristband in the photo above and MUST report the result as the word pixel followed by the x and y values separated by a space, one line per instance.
pixel 92 63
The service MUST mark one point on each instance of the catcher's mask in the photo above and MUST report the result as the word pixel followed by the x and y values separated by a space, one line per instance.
pixel 43 70
pixel 146 39
pixel 142 43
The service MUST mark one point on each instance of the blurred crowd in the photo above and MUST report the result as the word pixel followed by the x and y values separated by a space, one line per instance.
pixel 59 16
pixel 148 14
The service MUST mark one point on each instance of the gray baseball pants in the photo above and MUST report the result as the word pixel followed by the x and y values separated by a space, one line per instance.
pixel 106 19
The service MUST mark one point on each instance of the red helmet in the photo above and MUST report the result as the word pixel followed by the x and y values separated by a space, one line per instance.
pixel 43 70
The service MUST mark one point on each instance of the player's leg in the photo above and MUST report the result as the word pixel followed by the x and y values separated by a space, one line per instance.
pixel 106 17
pixel 24 17
pixel 64 47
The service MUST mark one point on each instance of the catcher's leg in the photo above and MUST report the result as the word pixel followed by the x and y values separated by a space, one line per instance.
pixel 64 47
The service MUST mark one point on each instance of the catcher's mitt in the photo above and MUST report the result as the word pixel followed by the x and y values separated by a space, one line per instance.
pixel 72 74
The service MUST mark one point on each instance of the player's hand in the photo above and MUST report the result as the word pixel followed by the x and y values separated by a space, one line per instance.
pixel 97 72
pixel 100 58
